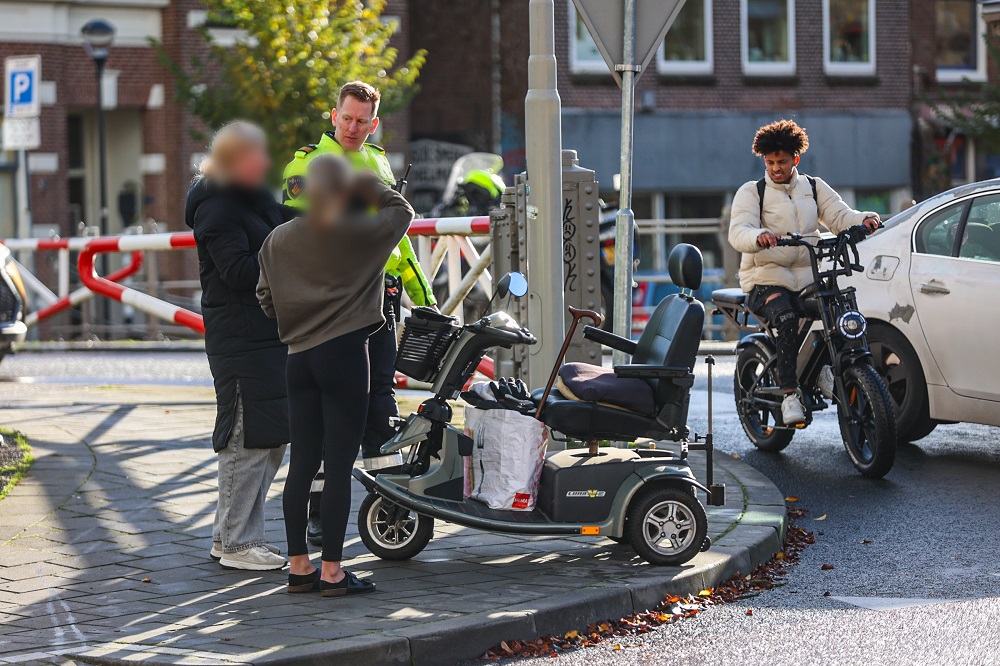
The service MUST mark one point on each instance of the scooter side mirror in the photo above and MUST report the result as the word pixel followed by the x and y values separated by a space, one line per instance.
pixel 517 284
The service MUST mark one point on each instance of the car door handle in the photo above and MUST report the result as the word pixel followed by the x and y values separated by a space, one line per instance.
pixel 934 288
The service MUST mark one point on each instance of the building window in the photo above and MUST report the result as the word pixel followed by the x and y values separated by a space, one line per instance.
pixel 687 48
pixel 849 37
pixel 584 58
pixel 961 49
pixel 768 37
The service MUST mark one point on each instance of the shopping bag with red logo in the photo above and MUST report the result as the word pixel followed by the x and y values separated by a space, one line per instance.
pixel 507 458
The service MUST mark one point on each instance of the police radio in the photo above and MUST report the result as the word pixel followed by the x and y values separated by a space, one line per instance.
pixel 400 185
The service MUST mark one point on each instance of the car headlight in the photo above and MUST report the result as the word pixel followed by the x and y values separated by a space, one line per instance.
pixel 10 268
pixel 852 325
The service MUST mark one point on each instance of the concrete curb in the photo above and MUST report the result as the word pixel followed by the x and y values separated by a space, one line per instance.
pixel 758 534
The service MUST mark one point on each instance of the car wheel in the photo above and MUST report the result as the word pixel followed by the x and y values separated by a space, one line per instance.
pixel 898 365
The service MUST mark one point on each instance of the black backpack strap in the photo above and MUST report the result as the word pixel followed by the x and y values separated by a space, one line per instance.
pixel 812 183
pixel 761 186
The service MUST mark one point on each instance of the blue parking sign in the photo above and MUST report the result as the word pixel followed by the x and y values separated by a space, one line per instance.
pixel 21 74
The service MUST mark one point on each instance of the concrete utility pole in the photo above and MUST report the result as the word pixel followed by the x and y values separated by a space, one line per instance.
pixel 543 143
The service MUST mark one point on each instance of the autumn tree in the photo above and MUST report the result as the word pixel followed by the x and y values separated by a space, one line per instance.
pixel 288 63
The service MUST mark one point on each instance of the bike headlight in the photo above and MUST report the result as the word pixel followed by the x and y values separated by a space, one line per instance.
pixel 852 325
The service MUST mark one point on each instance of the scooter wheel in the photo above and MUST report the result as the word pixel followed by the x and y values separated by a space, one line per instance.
pixel 392 537
pixel 666 525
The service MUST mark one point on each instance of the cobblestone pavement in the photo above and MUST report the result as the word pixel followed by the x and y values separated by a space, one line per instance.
pixel 104 554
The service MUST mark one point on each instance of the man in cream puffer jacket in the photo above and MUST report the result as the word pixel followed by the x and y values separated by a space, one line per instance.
pixel 773 276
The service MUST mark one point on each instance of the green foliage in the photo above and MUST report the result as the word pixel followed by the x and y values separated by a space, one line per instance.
pixel 976 111
pixel 13 471
pixel 286 72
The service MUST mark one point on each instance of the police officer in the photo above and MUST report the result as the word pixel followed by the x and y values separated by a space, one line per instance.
pixel 354 120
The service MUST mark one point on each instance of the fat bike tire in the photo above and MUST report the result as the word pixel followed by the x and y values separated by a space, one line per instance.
pixel 758 423
pixel 867 422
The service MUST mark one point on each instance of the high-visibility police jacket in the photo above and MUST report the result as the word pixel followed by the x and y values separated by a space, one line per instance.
pixel 403 262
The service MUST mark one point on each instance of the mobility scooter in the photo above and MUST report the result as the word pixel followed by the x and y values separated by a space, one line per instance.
pixel 864 408
pixel 643 496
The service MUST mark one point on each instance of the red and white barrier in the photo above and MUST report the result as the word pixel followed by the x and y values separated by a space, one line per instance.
pixel 140 301
pixel 136 244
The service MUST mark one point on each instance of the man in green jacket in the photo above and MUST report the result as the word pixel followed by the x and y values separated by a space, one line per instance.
pixel 354 120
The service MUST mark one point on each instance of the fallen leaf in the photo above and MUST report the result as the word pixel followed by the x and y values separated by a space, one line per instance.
pixel 826 594
pixel 705 593
pixel 147 579
pixel 866 541
pixel 618 646
pixel 749 612
pixel 570 635
pixel 826 567
pixel 735 455
pixel 505 647
pixel 779 556
pixel 791 498
pixel 823 517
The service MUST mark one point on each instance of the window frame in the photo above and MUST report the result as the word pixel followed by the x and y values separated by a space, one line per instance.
pixel 977 75
pixel 918 239
pixel 692 67
pixel 575 65
pixel 765 69
pixel 834 68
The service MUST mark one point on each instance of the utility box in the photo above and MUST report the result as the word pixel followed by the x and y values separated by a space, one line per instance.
pixel 581 261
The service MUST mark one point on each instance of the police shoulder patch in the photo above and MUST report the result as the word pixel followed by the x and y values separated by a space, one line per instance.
pixel 306 149
pixel 295 185
pixel 378 149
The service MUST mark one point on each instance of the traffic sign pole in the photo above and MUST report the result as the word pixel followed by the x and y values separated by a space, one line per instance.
pixel 21 130
pixel 624 241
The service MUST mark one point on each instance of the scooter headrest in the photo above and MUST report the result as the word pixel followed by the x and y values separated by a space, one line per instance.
pixel 685 265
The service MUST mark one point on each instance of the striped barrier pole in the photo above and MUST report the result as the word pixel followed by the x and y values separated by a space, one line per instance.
pixel 83 293
pixel 140 301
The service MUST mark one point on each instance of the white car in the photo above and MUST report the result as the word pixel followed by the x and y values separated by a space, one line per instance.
pixel 927 291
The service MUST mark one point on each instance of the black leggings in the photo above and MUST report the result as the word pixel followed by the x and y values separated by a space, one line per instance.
pixel 782 313
pixel 327 408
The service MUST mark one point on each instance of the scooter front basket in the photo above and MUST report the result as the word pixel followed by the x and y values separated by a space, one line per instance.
pixel 427 337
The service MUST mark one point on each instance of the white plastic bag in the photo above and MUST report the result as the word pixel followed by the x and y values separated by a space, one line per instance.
pixel 507 458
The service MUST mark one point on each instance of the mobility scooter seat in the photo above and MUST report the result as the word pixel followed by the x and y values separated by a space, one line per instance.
pixel 733 296
pixel 663 357
pixel 594 420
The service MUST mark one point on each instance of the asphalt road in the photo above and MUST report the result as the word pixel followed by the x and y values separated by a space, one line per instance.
pixel 931 570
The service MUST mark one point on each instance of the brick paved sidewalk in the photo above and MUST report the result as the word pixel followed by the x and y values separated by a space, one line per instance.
pixel 104 555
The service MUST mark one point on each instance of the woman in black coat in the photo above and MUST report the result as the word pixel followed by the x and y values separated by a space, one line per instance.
pixel 232 212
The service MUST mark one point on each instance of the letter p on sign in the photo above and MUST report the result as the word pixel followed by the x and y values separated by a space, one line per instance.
pixel 21 83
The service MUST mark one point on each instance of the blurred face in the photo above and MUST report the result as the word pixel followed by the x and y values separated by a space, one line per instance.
pixel 252 166
pixel 779 165
pixel 353 122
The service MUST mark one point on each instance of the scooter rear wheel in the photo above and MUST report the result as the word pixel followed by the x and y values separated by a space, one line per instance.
pixel 666 525
pixel 401 538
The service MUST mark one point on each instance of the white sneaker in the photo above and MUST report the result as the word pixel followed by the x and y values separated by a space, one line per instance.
pixel 824 382
pixel 216 552
pixel 252 559
pixel 792 411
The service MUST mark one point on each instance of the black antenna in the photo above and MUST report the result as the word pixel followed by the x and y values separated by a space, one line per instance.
pixel 401 182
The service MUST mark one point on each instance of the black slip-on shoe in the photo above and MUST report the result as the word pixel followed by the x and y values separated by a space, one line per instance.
pixel 349 584
pixel 305 583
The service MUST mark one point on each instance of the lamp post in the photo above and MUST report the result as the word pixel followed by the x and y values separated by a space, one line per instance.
pixel 97 37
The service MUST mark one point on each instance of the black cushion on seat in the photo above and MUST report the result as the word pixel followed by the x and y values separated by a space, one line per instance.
pixel 732 296
pixel 590 420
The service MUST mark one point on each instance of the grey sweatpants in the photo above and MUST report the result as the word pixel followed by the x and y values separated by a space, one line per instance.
pixel 244 478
